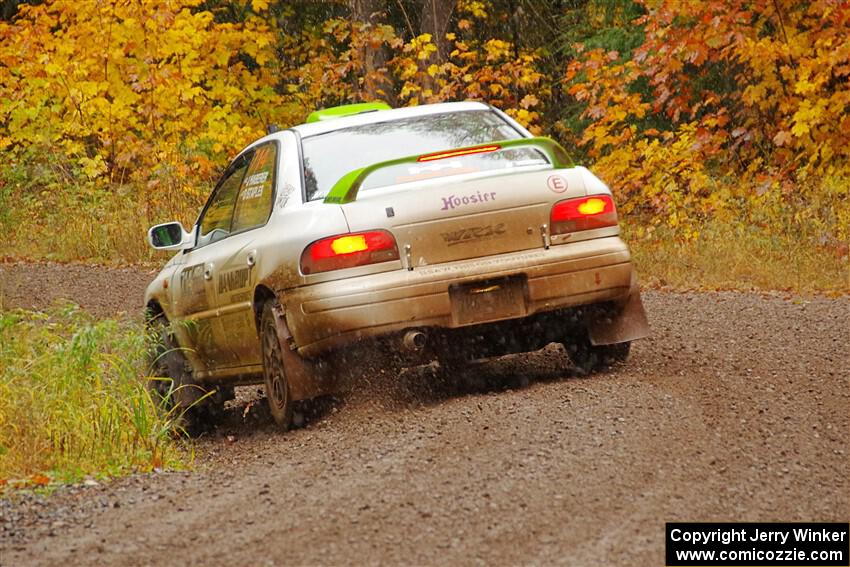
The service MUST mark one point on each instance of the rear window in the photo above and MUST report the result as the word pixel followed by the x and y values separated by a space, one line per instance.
pixel 329 156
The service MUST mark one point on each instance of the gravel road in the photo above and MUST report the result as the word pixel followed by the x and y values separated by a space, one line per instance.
pixel 737 409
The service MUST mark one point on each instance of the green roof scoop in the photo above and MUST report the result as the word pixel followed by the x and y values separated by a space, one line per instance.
pixel 346 110
pixel 345 190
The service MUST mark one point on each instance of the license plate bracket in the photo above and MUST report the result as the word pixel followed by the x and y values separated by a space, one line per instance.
pixel 489 300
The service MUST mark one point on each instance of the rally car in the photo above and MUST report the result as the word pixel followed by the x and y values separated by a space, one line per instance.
pixel 440 232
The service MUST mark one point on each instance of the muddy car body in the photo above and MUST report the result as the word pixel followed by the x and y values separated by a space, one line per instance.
pixel 441 231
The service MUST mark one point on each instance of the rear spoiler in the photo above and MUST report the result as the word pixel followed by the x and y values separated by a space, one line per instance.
pixel 345 190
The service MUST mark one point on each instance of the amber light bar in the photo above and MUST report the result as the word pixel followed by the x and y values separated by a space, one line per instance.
pixel 456 153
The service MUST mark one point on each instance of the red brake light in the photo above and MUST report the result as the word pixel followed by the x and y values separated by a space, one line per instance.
pixel 584 213
pixel 457 153
pixel 348 250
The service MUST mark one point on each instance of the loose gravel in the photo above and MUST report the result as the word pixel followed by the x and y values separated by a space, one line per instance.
pixel 736 409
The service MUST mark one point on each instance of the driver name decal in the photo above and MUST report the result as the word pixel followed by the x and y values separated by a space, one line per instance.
pixel 454 201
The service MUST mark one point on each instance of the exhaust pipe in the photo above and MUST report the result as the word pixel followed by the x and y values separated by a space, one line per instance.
pixel 414 341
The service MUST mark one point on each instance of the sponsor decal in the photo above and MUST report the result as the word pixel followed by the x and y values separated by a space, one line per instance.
pixel 492 261
pixel 192 280
pixel 234 279
pixel 434 167
pixel 193 294
pixel 257 178
pixel 473 234
pixel 253 186
pixel 454 201
pixel 283 197
pixel 557 183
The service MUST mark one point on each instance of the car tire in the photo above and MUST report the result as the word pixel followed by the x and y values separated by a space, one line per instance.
pixel 193 408
pixel 588 358
pixel 274 372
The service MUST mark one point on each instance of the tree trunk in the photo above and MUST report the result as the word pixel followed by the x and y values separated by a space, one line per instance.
pixel 436 16
pixel 372 82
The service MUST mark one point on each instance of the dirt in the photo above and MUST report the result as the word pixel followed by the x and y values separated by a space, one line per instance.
pixel 104 292
pixel 735 410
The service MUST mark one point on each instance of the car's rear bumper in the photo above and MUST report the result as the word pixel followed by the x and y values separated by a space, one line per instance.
pixel 324 316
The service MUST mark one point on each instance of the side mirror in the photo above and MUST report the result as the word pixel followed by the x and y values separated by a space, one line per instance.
pixel 169 236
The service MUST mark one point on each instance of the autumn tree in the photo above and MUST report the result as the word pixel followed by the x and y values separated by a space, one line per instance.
pixel 366 17
pixel 153 91
pixel 435 18
pixel 689 110
pixel 725 106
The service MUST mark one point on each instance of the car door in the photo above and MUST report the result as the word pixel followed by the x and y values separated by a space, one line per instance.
pixel 196 294
pixel 237 273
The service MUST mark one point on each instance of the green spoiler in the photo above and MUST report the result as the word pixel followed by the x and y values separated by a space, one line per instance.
pixel 345 190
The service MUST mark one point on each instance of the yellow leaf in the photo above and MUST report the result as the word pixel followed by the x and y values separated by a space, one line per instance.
pixel 800 129
pixel 259 5
pixel 803 86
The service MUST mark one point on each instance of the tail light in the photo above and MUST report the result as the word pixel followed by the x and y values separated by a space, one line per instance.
pixel 584 213
pixel 348 250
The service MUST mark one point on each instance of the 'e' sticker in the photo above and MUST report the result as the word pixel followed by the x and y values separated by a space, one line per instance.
pixel 557 183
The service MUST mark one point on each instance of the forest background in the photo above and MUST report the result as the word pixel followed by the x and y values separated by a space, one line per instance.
pixel 722 126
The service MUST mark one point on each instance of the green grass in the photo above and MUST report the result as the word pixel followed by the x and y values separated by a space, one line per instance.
pixel 73 401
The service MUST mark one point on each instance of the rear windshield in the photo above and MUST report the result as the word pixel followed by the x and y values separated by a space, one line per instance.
pixel 329 156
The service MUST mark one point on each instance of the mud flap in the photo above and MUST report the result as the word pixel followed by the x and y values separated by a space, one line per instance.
pixel 307 379
pixel 628 325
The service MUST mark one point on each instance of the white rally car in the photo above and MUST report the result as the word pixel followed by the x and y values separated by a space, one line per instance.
pixel 442 231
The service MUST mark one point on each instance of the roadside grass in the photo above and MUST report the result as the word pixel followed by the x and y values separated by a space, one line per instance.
pixel 728 256
pixel 73 401
pixel 799 247
pixel 85 223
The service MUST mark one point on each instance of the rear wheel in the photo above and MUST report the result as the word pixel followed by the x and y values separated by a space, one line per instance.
pixel 588 358
pixel 274 373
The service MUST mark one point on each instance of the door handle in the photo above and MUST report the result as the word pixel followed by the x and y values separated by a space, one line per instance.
pixel 208 271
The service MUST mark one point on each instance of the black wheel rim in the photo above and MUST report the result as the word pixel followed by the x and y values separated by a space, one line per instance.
pixel 273 366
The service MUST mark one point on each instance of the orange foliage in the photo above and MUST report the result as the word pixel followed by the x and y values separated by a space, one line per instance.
pixel 724 102
pixel 726 106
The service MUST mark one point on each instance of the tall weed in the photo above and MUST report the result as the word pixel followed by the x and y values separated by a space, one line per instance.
pixel 73 400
